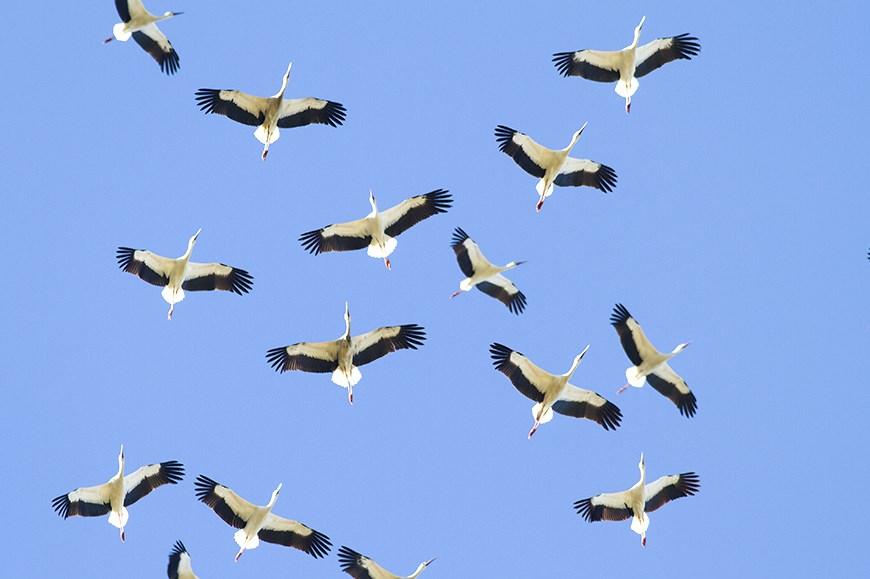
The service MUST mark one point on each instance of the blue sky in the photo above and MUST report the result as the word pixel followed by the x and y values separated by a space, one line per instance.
pixel 739 222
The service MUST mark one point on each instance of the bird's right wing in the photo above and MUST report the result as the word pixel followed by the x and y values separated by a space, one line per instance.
pixel 586 173
pixel 522 373
pixel 504 290
pixel 582 403
pixel 236 105
pixel 307 111
pixel 668 488
pixel 233 509
pixel 671 385
pixel 155 43
pixel 281 531
pixel 319 357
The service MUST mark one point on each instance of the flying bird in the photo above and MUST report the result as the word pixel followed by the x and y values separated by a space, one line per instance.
pixel 485 276
pixel 342 356
pixel 269 114
pixel 629 64
pixel 639 500
pixel 361 567
pixel 551 392
pixel 377 230
pixel 142 26
pixel 553 167
pixel 650 364
pixel 178 275
pixel 179 563
pixel 258 523
pixel 119 493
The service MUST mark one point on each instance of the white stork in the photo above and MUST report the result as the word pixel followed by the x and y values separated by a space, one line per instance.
pixel 639 500
pixel 377 230
pixel 142 26
pixel 650 364
pixel 179 563
pixel 553 167
pixel 629 64
pixel 551 392
pixel 119 493
pixel 256 523
pixel 342 356
pixel 269 114
pixel 485 276
pixel 178 275
pixel 361 567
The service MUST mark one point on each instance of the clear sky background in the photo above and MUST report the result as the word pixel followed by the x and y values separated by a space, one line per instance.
pixel 739 222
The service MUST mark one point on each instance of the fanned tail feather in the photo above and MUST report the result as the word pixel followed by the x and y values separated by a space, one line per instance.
pixel 340 378
pixel 628 91
pixel 546 417
pixel 375 250
pixel 260 134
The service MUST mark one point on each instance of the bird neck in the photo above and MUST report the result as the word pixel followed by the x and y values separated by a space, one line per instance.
pixel 571 370
pixel 280 93
pixel 419 570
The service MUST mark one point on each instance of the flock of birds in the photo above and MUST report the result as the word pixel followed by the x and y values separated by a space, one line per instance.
pixel 377 232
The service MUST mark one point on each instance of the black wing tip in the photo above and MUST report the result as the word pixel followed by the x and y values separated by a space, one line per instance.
pixel 503 134
pixel 500 354
pixel 203 487
pixel 335 113
pixel 584 508
pixel 606 178
pixel 124 255
pixel 414 335
pixel 440 199
pixel 312 241
pixel 277 358
pixel 61 505
pixel 562 61
pixel 688 405
pixel 611 416
pixel 207 98
pixel 178 549
pixel 320 545
pixel 459 236
pixel 686 46
pixel 689 483
pixel 169 64
pixel 347 558
pixel 172 470
pixel 620 315
pixel 517 303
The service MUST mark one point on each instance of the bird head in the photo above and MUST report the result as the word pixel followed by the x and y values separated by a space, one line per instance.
pixel 681 347
pixel 639 26
pixel 372 200
pixel 275 494
pixel 515 263
pixel 195 235
pixel 641 465
pixel 577 136
pixel 168 14
pixel 121 454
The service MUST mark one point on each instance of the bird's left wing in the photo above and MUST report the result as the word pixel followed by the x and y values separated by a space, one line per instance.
pixel 411 211
pixel 179 563
pixel 520 147
pixel 597 65
pixel 668 488
pixel 504 290
pixel 670 384
pixel 338 237
pixel 212 276
pixel 84 502
pixel 307 111
pixel 582 403
pixel 522 373
pixel 158 46
pixel 378 343
pixel 604 507
pixel 661 51
pixel 233 509
pixel 585 173
pixel 294 534
pixel 147 478
pixel 359 566
pixel 318 357
pixel 236 105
